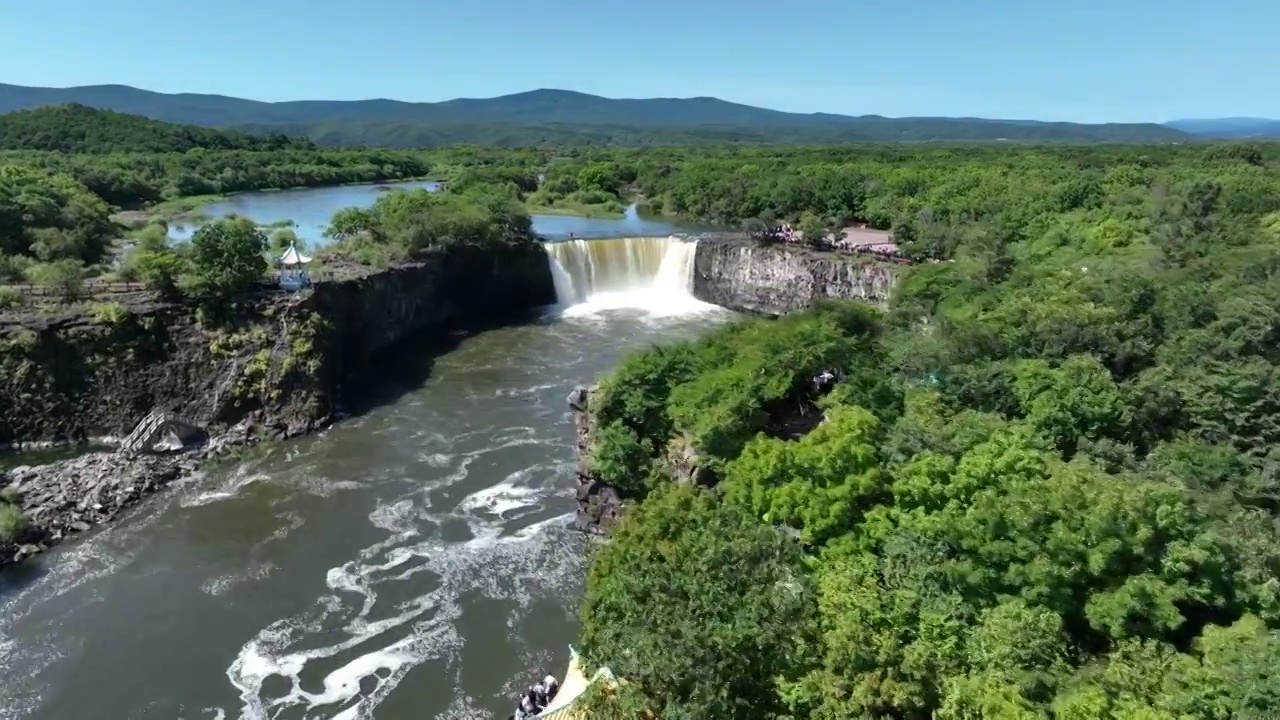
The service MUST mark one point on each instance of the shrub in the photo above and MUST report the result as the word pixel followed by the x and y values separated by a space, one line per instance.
pixel 12 524
pixel 64 275
pixel 227 258
pixel 108 313
pixel 160 270
pixel 10 298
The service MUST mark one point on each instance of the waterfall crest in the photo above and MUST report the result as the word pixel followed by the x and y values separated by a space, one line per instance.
pixel 650 273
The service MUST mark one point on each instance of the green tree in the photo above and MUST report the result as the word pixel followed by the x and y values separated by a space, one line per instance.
pixel 227 258
pixel 12 523
pixel 349 222
pixel 65 275
pixel 700 605
pixel 282 238
pixel 813 230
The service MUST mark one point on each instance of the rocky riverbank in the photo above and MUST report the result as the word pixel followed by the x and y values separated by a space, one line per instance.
pixel 62 499
pixel 743 275
pixel 599 504
pixel 284 365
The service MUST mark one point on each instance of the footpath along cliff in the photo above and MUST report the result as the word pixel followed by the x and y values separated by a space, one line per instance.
pixel 284 365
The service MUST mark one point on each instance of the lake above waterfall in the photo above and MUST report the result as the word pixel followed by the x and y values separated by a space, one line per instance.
pixel 310 209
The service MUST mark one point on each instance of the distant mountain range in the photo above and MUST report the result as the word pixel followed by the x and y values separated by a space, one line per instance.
pixel 1229 127
pixel 562 116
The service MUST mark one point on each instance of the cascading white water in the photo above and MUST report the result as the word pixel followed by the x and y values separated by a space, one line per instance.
pixel 651 273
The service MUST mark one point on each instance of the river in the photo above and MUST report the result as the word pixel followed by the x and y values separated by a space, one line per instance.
pixel 413 562
pixel 310 209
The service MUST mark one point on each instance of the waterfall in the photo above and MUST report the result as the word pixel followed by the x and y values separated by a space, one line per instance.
pixel 651 273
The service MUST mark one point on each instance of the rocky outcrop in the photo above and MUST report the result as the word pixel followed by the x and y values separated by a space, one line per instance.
pixel 743 275
pixel 73 496
pixel 290 360
pixel 283 365
pixel 599 504
pixel 365 317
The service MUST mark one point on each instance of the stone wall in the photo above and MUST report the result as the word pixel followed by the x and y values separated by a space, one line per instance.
pixel 745 276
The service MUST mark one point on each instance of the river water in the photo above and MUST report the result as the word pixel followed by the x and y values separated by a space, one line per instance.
pixel 311 209
pixel 413 562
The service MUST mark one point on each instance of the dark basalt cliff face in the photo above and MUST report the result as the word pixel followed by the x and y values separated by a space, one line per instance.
pixel 599 504
pixel 287 365
pixel 742 275
pixel 291 360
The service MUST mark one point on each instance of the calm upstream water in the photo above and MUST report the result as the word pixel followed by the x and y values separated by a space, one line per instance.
pixel 410 563
pixel 311 209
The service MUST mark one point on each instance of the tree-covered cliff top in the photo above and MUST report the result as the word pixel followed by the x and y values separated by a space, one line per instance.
pixel 79 129
pixel 1044 484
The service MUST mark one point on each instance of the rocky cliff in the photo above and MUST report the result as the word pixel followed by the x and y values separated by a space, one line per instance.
pixel 743 275
pixel 292 360
pixel 284 365
pixel 599 504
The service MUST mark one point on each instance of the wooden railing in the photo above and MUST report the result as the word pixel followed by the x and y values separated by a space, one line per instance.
pixel 88 289
pixel 97 289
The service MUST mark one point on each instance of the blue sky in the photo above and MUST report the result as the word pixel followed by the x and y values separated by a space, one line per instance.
pixel 1081 60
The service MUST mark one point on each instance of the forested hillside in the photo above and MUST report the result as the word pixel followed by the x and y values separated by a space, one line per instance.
pixel 1045 485
pixel 562 117
pixel 81 129
pixel 409 134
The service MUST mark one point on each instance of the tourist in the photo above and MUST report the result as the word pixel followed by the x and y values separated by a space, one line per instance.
pixel 549 682
pixel 540 695
pixel 535 706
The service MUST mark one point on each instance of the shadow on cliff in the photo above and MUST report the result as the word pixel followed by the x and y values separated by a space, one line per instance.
pixel 404 367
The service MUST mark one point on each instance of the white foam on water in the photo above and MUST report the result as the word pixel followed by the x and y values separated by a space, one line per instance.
pixel 223 583
pixel 461 567
pixel 654 302
pixel 437 459
pixel 492 563
pixel 521 392
pixel 239 478
pixel 502 498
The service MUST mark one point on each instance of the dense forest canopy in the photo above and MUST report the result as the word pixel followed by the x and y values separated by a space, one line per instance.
pixel 623 134
pixel 81 129
pixel 136 179
pixel 1045 485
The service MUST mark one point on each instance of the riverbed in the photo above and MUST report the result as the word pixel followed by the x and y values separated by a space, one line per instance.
pixel 415 559
pixel 310 209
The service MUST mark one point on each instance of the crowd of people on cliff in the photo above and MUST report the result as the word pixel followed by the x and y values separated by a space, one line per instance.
pixel 536 699
pixel 886 250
